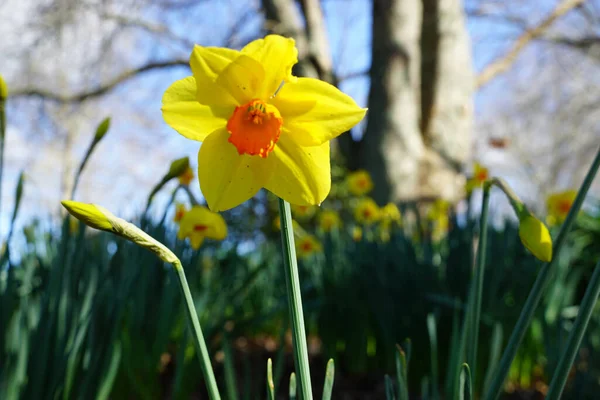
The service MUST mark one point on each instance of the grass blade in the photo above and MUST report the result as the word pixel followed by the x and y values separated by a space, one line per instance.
pixel 293 389
pixel 329 377
pixel 473 327
pixel 537 291
pixel 270 385
pixel 389 388
pixel 229 370
pixel 401 373
pixel 465 383
pixel 432 329
pixel 567 358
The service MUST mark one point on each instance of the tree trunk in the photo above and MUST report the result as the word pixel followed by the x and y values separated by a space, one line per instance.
pixel 447 120
pixel 420 104
pixel 392 146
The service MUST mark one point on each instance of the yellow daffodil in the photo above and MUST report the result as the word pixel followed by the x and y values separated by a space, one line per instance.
pixel 303 212
pixel 180 211
pixel 255 132
pixel 535 237
pixel 186 177
pixel 91 214
pixel 200 223
pixel 438 215
pixel 308 246
pixel 357 233
pixel 367 212
pixel 558 205
pixel 329 220
pixel 359 182
pixel 480 175
pixel 390 214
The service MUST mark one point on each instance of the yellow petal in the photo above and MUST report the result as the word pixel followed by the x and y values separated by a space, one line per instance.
pixel 535 237
pixel 227 179
pixel 302 175
pixel 215 227
pixel 242 78
pixel 315 111
pixel 196 241
pixel 182 111
pixel 278 55
pixel 90 214
pixel 207 63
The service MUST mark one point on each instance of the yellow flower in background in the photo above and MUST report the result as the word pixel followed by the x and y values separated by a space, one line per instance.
pixel 200 223
pixel 303 212
pixel 357 233
pixel 359 182
pixel 180 210
pixel 367 212
pixel 257 133
pixel 535 237
pixel 438 216
pixel 480 175
pixel 329 220
pixel 186 177
pixel 558 205
pixel 308 246
pixel 390 213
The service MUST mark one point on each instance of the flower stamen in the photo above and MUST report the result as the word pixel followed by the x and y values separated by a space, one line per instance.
pixel 254 128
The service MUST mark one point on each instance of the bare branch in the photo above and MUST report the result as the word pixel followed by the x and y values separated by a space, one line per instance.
pixel 100 90
pixel 503 63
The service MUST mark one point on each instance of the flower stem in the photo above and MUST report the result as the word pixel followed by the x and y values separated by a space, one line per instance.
pixel 473 334
pixel 583 318
pixel 292 283
pixel 540 284
pixel 201 350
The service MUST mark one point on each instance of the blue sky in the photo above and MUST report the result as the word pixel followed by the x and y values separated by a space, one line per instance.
pixel 139 147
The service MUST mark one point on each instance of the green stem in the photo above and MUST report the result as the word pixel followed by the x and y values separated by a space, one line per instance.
pixel 473 334
pixel 292 283
pixel 201 350
pixel 540 284
pixel 583 318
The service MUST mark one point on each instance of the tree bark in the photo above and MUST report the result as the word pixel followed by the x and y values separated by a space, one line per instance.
pixel 392 146
pixel 447 121
pixel 420 103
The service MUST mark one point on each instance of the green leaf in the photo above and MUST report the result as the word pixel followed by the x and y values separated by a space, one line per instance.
pixel 329 377
pixel 270 385
pixel 389 388
pixel 293 391
pixel 465 383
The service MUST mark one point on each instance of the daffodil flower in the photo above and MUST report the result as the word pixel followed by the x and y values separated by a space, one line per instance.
pixel 558 205
pixel 186 177
pixel 303 212
pixel 535 236
pixel 359 182
pixel 329 220
pixel 367 212
pixel 200 223
pixel 255 132
pixel 480 175
pixel 308 246
pixel 180 211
